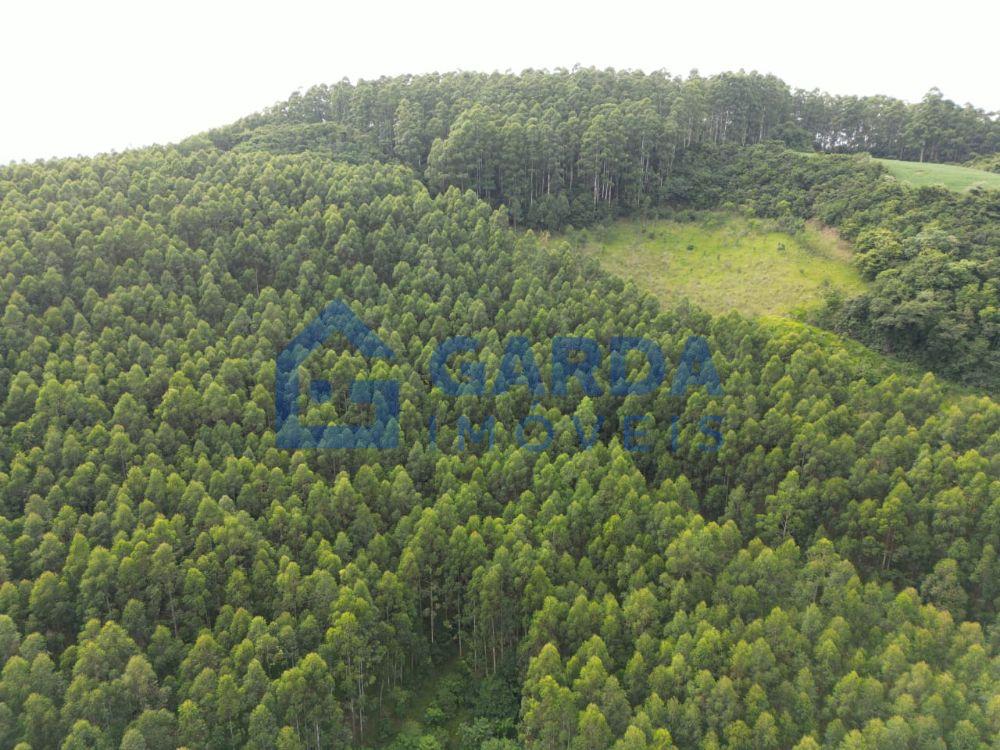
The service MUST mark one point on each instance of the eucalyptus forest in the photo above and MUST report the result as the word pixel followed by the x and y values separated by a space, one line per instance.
pixel 802 551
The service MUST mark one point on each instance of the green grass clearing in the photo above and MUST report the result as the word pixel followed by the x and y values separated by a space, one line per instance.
pixel 952 176
pixel 723 262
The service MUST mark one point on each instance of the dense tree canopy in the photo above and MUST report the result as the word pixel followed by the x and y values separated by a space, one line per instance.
pixel 538 121
pixel 171 577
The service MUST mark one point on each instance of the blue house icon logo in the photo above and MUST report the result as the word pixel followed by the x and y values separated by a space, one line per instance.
pixel 381 395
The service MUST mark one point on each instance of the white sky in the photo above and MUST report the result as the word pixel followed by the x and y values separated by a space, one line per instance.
pixel 80 78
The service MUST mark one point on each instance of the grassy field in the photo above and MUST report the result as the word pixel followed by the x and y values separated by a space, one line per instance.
pixel 723 262
pixel 952 176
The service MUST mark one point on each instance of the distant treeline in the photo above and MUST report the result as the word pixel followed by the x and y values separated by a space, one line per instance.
pixel 539 140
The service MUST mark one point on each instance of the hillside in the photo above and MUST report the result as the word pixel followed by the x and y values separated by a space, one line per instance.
pixel 584 146
pixel 307 443
pixel 722 262
pixel 951 176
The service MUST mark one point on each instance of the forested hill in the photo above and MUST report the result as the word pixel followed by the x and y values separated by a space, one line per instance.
pixel 802 555
pixel 574 148
pixel 542 113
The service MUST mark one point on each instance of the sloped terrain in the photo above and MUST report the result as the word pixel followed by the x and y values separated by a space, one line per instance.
pixel 951 176
pixel 721 263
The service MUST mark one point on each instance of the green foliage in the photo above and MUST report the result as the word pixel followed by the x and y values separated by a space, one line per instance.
pixel 930 254
pixel 571 148
pixel 170 577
